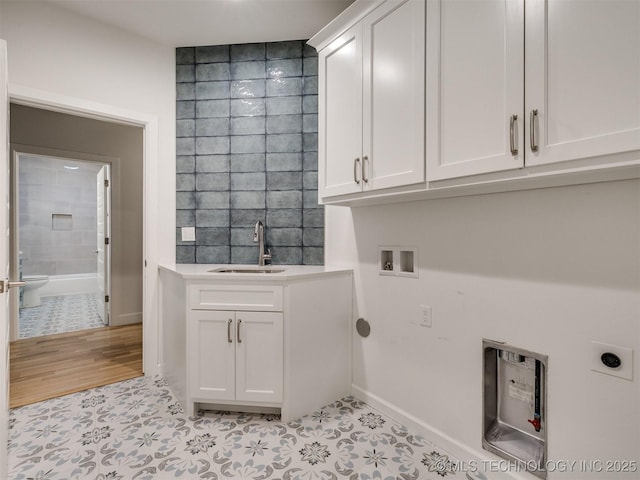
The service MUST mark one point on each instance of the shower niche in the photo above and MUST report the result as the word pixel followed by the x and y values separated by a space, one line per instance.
pixel 514 405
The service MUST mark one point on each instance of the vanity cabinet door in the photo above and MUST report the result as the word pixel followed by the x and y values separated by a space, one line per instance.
pixel 211 340
pixel 259 356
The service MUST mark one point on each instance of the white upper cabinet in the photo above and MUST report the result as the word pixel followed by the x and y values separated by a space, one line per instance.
pixel 577 96
pixel 371 102
pixel 583 78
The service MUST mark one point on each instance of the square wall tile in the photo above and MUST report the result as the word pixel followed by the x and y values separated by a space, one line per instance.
pixel 185 73
pixel 185 254
pixel 185 56
pixel 185 218
pixel 313 256
pixel 185 164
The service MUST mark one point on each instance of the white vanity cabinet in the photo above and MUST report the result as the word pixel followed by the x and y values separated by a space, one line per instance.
pixel 527 83
pixel 242 341
pixel 371 101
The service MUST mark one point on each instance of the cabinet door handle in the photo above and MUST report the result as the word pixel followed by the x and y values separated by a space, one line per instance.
pixel 355 171
pixel 512 135
pixel 533 121
pixel 229 322
pixel 365 178
pixel 238 332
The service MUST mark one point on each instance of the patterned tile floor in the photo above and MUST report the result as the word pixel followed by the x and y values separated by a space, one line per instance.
pixel 136 430
pixel 59 314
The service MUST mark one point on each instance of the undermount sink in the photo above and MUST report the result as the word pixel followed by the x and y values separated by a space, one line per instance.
pixel 247 270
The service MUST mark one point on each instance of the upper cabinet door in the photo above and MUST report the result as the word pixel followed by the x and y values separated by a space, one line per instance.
pixel 583 78
pixel 479 93
pixel 393 94
pixel 340 115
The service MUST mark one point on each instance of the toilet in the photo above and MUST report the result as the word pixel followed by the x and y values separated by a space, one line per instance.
pixel 31 291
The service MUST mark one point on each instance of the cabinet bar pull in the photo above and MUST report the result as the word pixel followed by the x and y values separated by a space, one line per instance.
pixel 512 135
pixel 229 322
pixel 355 171
pixel 533 120
pixel 238 332
pixel 365 179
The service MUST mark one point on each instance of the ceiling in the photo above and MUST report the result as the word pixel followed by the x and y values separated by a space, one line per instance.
pixel 180 23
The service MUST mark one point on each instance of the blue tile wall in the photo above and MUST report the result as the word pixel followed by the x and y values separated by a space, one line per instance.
pixel 246 150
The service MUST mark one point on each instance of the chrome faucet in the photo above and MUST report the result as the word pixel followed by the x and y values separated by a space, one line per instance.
pixel 258 236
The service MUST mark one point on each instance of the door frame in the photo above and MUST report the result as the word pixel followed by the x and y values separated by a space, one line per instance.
pixel 16 149
pixel 30 97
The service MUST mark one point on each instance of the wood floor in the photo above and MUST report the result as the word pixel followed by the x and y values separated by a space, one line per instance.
pixel 56 365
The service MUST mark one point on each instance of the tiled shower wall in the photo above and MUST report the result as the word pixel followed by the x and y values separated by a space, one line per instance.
pixel 247 151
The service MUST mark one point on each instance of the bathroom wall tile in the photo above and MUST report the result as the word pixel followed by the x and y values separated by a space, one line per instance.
pixel 284 86
pixel 291 67
pixel 310 199
pixel 247 107
pixel 211 200
pixel 212 218
pixel 248 181
pixel 242 237
pixel 248 144
pixel 284 199
pixel 313 237
pixel 212 182
pixel 244 255
pixel 212 71
pixel 212 254
pixel 248 51
pixel 248 162
pixel 212 145
pixel 212 90
pixel 284 105
pixel 247 217
pixel 212 163
pixel 248 70
pixel 285 217
pixel 284 143
pixel 251 200
pixel 289 49
pixel 185 146
pixel 284 181
pixel 185 73
pixel 310 85
pixel 310 160
pixel 247 88
pixel 185 218
pixel 212 127
pixel 313 256
pixel 185 254
pixel 248 125
pixel 310 66
pixel 310 142
pixel 287 255
pixel 284 162
pixel 185 91
pixel 185 56
pixel 287 237
pixel 185 182
pixel 312 217
pixel 212 236
pixel 185 128
pixel 310 123
pixel 310 180
pixel 310 104
pixel 185 164
pixel 309 51
pixel 212 108
pixel 185 110
pixel 185 200
pixel 284 124
pixel 214 53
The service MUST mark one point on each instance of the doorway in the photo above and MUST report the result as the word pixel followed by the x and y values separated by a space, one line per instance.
pixel 62 210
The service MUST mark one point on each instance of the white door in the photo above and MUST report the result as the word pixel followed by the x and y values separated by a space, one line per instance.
pixel 583 78
pixel 4 260
pixel 211 335
pixel 393 94
pixel 340 115
pixel 480 87
pixel 103 241
pixel 259 356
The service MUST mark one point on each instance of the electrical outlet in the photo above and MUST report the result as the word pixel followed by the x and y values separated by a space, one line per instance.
pixel 188 234
pixel 425 316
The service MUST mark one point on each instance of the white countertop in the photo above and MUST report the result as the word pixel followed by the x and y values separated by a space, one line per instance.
pixel 193 271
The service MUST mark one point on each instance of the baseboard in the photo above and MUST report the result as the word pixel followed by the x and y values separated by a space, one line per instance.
pixel 457 449
pixel 126 319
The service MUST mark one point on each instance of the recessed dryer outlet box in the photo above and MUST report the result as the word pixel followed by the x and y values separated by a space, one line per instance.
pixel 398 261
pixel 623 360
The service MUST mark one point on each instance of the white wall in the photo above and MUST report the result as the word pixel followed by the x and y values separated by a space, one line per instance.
pixel 547 270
